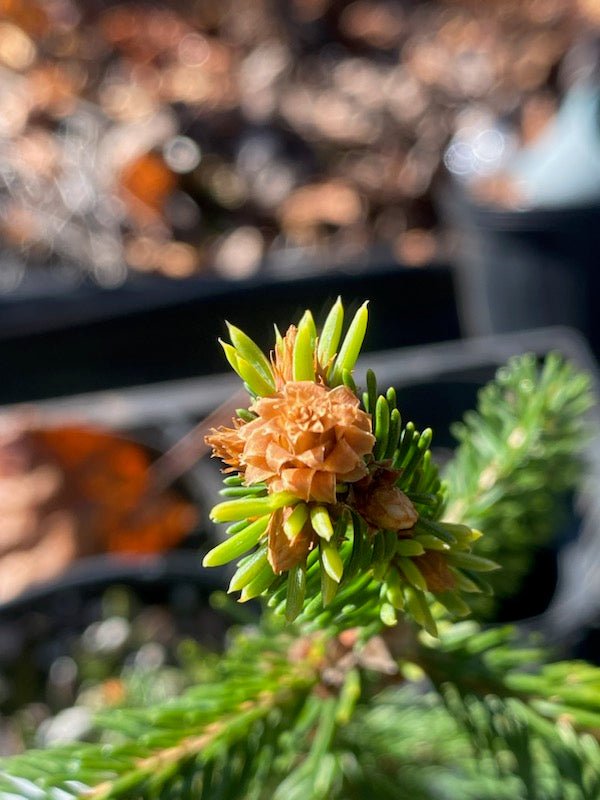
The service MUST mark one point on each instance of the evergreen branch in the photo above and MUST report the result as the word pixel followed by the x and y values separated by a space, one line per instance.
pixel 551 761
pixel 498 661
pixel 267 721
pixel 265 725
pixel 406 745
pixel 148 752
pixel 170 758
pixel 518 456
pixel 335 510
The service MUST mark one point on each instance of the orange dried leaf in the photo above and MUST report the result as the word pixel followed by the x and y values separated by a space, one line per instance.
pixel 97 484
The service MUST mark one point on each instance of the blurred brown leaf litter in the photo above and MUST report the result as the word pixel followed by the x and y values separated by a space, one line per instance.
pixel 72 491
pixel 183 138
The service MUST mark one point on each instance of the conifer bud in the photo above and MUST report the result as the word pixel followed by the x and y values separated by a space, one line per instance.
pixel 382 504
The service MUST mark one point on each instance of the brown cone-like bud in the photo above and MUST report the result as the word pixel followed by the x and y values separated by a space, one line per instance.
pixel 305 439
pixel 382 504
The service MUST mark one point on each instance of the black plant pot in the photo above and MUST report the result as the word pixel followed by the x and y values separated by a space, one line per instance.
pixel 526 269
pixel 46 625
pixel 155 329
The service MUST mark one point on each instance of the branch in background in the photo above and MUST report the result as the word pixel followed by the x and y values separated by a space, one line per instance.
pixel 519 455
pixel 410 745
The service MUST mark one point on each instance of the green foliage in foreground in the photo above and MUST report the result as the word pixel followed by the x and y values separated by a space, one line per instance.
pixel 270 724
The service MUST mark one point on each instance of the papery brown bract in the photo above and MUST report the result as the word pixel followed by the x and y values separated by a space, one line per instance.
pixel 282 361
pixel 227 446
pixel 435 570
pixel 285 553
pixel 282 358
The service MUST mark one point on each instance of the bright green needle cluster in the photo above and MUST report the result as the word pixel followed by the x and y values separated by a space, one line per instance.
pixel 380 549
pixel 336 355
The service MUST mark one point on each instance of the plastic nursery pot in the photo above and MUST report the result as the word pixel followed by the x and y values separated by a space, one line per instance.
pixel 154 329
pixel 103 613
pixel 69 648
pixel 526 269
